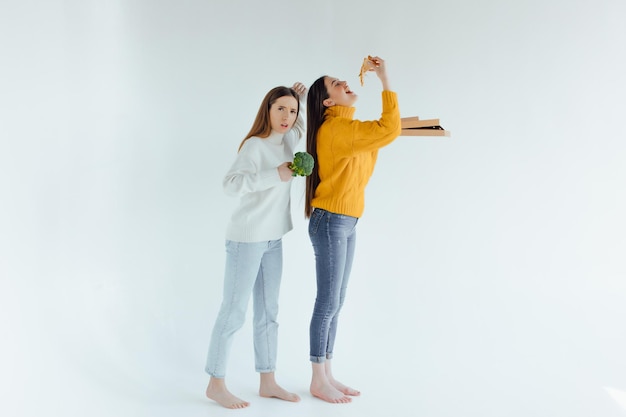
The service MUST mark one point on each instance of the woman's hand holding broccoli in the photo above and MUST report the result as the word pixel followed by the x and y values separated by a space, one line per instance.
pixel 284 171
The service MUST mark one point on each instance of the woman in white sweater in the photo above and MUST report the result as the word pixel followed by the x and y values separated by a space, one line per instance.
pixel 261 177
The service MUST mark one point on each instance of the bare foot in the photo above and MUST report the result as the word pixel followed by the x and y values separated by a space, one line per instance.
pixel 276 391
pixel 217 392
pixel 270 389
pixel 343 388
pixel 328 393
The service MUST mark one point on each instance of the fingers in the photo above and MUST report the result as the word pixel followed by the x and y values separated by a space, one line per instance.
pixel 377 62
pixel 299 88
pixel 378 66
pixel 374 62
pixel 284 172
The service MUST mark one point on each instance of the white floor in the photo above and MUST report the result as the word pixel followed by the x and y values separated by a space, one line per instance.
pixel 429 394
pixel 156 371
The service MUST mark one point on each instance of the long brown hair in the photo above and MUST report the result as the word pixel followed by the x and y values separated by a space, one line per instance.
pixel 315 116
pixel 262 126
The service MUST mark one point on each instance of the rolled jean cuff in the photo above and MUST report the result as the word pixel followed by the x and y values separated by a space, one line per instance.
pixel 321 359
pixel 213 374
pixel 265 370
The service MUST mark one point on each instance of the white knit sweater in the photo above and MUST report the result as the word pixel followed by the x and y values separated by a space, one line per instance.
pixel 264 210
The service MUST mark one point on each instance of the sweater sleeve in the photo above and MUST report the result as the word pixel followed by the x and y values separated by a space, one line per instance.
pixel 300 124
pixel 367 136
pixel 246 176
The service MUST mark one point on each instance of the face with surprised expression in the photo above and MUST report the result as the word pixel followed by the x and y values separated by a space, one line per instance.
pixel 339 93
pixel 283 114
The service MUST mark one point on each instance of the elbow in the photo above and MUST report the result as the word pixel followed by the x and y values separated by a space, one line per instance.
pixel 229 192
pixel 230 187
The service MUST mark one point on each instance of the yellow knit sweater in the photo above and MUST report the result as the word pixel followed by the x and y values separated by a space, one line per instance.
pixel 346 154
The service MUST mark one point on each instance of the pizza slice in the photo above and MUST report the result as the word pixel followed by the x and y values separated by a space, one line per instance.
pixel 367 65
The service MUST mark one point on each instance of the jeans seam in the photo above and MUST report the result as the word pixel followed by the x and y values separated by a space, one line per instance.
pixel 220 348
pixel 267 342
pixel 333 278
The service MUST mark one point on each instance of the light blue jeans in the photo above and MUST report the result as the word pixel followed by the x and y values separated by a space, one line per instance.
pixel 251 269
pixel 333 237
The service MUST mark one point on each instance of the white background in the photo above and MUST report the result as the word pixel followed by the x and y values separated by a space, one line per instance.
pixel 490 276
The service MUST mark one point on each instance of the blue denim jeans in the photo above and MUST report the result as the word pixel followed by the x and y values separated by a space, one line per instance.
pixel 333 237
pixel 251 269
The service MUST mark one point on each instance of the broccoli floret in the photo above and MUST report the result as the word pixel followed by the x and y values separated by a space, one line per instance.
pixel 302 164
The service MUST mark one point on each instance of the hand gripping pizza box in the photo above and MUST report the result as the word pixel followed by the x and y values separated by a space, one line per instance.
pixel 414 126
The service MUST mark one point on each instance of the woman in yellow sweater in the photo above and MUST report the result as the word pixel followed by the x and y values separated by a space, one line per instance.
pixel 345 151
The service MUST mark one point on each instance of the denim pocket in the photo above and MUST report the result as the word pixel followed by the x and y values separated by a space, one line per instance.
pixel 315 220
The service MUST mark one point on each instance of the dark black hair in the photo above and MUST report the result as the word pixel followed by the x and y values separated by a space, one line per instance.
pixel 315 116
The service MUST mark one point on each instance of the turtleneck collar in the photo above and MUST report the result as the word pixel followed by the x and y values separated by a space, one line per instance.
pixel 275 138
pixel 341 111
